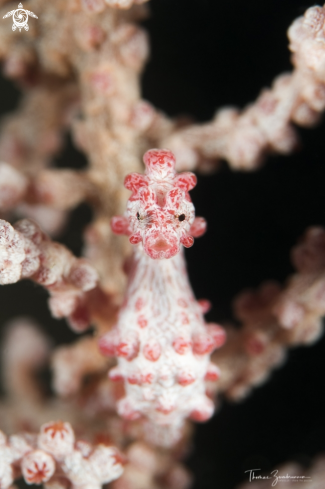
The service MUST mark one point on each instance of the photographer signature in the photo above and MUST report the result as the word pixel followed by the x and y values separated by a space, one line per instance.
pixel 275 477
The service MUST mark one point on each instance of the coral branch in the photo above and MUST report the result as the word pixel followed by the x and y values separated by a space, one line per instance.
pixel 61 189
pixel 34 133
pixel 25 350
pixel 53 455
pixel 79 69
pixel 71 363
pixel 26 252
pixel 13 186
pixel 146 466
pixel 30 137
pixel 244 138
pixel 275 318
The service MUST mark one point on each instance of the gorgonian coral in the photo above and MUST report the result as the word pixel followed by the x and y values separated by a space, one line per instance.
pixel 79 68
pixel 54 457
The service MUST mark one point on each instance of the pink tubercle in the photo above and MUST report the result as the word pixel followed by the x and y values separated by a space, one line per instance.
pixel 198 227
pixel 140 378
pixel 115 375
pixel 119 225
pixel 185 181
pixel 152 350
pixel 106 344
pixel 203 344
pixel 135 239
pixel 159 159
pixel 139 303
pixel 186 378
pixel 126 410
pixel 213 373
pixel 134 181
pixel 204 412
pixel 128 348
pixel 218 334
pixel 205 305
pixel 187 241
pixel 182 345
pixel 134 379
pixel 142 321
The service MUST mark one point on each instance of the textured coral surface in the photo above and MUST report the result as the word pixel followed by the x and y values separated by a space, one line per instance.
pixel 53 455
pixel 78 68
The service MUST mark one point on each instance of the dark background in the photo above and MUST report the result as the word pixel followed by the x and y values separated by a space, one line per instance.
pixel 206 54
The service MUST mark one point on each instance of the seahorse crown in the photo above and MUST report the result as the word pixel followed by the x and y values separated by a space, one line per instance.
pixel 160 213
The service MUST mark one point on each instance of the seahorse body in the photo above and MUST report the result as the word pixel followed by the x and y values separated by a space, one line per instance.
pixel 161 340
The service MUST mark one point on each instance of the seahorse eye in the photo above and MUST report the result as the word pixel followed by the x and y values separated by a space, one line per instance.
pixel 181 217
pixel 138 216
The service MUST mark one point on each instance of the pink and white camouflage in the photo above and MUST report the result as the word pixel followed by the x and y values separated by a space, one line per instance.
pixel 161 340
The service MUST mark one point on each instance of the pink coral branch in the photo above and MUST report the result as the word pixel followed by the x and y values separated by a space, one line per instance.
pixel 273 319
pixel 25 350
pixel 161 341
pixel 243 138
pixel 54 455
pixel 26 252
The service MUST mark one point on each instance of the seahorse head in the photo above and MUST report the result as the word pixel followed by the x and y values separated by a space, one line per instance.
pixel 160 213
